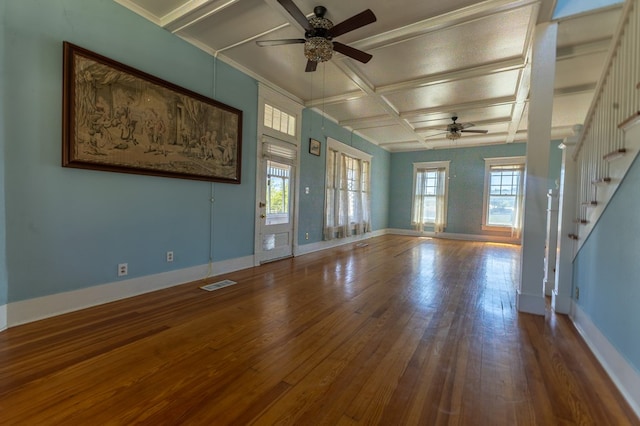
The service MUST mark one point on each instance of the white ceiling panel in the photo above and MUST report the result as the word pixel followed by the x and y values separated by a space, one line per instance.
pixel 388 134
pixel 458 92
pixel 586 28
pixel 580 70
pixel 464 46
pixel 157 8
pixel 236 23
pixel 354 109
pixel 572 109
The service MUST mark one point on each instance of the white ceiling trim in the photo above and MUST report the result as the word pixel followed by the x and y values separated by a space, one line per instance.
pixel 140 11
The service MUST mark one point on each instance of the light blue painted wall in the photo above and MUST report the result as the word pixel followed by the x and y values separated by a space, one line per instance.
pixel 312 175
pixel 466 184
pixel 607 270
pixel 4 287
pixel 68 228
pixel 566 8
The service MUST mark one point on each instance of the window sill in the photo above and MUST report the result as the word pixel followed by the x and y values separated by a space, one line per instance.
pixel 493 228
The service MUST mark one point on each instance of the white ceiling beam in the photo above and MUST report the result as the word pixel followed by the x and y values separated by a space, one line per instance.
pixel 337 99
pixel 193 12
pixel 445 109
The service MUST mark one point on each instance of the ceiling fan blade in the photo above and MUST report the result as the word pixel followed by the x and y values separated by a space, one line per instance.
pixel 436 134
pixel 263 43
pixel 297 14
pixel 464 125
pixel 351 52
pixel 474 131
pixel 311 66
pixel 360 20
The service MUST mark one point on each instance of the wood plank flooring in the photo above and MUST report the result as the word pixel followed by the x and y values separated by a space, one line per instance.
pixel 404 331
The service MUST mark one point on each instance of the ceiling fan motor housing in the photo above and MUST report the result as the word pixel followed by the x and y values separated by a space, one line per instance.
pixel 318 46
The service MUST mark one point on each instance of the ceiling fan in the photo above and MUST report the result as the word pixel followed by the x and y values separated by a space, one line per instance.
pixel 454 130
pixel 319 33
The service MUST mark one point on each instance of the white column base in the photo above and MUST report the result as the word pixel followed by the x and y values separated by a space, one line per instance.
pixel 530 303
pixel 560 304
pixel 549 285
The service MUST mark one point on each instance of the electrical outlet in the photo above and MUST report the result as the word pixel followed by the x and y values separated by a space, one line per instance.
pixel 123 269
pixel 577 293
pixel 306 236
pixel 169 256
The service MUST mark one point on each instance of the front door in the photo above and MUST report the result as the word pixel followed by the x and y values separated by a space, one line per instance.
pixel 275 203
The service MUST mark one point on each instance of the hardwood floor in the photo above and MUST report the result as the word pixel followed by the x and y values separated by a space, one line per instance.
pixel 403 331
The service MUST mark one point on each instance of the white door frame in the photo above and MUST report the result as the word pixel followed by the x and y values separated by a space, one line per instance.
pixel 294 107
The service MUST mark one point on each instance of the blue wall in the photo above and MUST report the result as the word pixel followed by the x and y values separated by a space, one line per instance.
pixel 69 228
pixel 607 270
pixel 566 8
pixel 312 167
pixel 4 288
pixel 466 185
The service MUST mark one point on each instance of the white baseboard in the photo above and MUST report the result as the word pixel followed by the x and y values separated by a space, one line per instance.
pixel 29 310
pixel 323 245
pixel 530 303
pixel 624 375
pixel 453 236
pixel 3 317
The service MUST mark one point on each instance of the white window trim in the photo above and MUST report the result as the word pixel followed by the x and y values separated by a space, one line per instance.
pixel 336 145
pixel 269 96
pixel 342 148
pixel 432 165
pixel 496 161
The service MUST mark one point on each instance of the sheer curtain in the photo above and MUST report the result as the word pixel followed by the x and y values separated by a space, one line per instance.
pixel 347 196
pixel 441 204
pixel 430 199
pixel 516 229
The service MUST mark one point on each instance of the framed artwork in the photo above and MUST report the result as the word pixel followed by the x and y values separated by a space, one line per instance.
pixel 119 119
pixel 314 147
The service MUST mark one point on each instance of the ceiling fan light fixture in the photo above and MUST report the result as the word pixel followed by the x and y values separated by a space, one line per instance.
pixel 453 135
pixel 318 49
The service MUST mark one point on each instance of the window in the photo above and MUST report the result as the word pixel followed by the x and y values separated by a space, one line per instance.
pixel 348 189
pixel 279 120
pixel 430 182
pixel 277 193
pixel 503 194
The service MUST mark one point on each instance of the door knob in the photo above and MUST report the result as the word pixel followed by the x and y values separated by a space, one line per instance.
pixel 262 216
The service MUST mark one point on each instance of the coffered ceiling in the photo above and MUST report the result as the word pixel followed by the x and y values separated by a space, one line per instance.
pixel 431 60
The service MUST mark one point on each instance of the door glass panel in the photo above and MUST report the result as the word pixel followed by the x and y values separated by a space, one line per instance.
pixel 278 193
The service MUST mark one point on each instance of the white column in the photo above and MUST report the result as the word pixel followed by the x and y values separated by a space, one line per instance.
pixel 551 243
pixel 530 297
pixel 561 296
